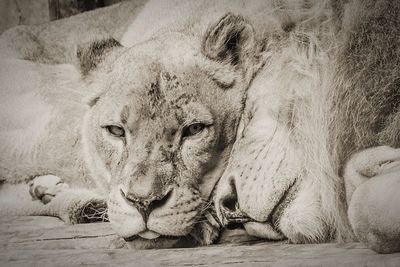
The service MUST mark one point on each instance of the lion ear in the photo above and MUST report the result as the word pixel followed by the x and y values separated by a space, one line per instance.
pixel 91 54
pixel 231 41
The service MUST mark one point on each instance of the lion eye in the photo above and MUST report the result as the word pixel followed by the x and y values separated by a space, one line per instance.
pixel 193 129
pixel 115 130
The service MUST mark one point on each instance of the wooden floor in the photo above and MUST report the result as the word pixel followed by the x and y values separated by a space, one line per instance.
pixel 46 241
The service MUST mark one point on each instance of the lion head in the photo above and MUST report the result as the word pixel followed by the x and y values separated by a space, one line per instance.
pixel 161 129
pixel 279 182
pixel 329 89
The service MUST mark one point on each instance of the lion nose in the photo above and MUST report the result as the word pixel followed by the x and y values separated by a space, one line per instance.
pixel 229 207
pixel 145 205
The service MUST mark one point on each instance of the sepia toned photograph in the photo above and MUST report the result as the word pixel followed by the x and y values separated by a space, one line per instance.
pixel 200 133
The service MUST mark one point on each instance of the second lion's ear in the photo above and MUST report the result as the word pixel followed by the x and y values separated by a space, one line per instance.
pixel 231 40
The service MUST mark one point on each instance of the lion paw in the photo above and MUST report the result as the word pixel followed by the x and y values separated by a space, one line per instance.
pixel 371 162
pixel 46 187
pixel 375 161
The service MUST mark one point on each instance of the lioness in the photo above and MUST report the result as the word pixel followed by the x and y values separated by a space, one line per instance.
pixel 328 89
pixel 152 138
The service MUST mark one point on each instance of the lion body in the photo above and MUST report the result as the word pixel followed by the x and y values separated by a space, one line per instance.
pixel 42 94
pixel 35 122
pixel 42 107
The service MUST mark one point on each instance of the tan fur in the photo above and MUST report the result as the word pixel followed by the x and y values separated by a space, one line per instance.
pixel 329 91
pixel 299 109
pixel 283 143
pixel 154 92
pixel 164 90
pixel 372 183
pixel 298 58
pixel 42 107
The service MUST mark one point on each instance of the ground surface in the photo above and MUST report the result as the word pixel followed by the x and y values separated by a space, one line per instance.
pixel 46 241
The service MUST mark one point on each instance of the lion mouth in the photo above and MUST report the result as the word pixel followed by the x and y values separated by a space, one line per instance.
pixel 149 239
pixel 149 235
pixel 152 240
pixel 268 229
pixel 144 237
pixel 287 197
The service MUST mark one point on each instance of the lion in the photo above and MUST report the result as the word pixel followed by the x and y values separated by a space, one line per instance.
pixel 330 90
pixel 42 86
pixel 146 129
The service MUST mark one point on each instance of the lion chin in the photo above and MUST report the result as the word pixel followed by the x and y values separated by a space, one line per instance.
pixel 164 227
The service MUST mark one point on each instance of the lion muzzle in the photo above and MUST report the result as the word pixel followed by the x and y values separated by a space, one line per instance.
pixel 145 205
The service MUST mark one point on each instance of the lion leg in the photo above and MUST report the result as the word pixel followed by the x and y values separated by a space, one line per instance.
pixel 15 200
pixel 372 185
pixel 48 195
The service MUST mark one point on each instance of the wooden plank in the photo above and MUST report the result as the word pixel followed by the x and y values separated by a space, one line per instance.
pixel 46 241
pixel 256 255
pixel 37 232
pixel 16 223
pixel 63 232
pixel 102 242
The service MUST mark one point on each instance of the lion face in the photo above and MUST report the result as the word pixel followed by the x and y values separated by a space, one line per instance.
pixel 271 184
pixel 265 186
pixel 160 133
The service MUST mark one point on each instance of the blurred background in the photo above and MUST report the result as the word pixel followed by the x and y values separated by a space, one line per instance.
pixel 25 12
